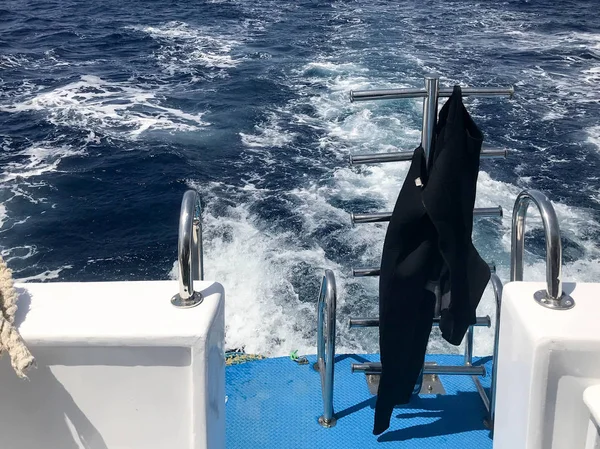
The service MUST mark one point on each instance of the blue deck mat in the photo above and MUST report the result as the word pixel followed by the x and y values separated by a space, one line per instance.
pixel 275 403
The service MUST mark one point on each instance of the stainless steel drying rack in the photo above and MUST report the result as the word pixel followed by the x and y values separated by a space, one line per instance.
pixel 327 298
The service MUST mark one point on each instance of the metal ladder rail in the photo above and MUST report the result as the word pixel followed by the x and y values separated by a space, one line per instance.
pixel 190 253
pixel 326 313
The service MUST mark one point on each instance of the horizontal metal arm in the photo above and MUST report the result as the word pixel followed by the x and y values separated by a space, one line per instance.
pixel 399 156
pixel 380 217
pixel 364 272
pixel 484 321
pixel 386 94
pixel 374 271
pixel 458 370
pixel 393 94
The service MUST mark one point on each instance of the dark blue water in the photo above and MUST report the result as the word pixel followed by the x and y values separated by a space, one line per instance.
pixel 110 110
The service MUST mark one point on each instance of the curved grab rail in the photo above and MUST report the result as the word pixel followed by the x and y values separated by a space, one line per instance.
pixel 189 251
pixel 497 284
pixel 553 297
pixel 325 358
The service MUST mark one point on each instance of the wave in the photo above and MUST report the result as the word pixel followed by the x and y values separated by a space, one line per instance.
pixel 24 175
pixel 270 134
pixel 593 136
pixel 113 108
pixel 38 159
pixel 3 215
pixel 44 276
pixel 12 61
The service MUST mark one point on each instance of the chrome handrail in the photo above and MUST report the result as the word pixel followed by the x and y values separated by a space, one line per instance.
pixel 325 359
pixel 497 284
pixel 553 297
pixel 190 259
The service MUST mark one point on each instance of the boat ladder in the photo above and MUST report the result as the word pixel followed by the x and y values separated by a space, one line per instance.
pixel 552 297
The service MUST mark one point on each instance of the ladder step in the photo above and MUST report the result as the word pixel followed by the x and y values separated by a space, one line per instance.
pixel 363 272
pixel 380 217
pixel 457 370
pixel 399 156
pixel 484 321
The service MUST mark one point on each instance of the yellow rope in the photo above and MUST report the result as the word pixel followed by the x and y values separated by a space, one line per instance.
pixel 236 358
pixel 10 339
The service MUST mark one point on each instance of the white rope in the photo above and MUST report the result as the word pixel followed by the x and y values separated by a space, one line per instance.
pixel 10 339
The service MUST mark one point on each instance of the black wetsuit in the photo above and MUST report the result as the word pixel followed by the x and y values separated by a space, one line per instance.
pixel 428 253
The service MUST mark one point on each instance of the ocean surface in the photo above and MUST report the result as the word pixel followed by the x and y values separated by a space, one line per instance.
pixel 110 110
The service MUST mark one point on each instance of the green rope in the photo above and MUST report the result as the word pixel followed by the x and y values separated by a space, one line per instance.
pixel 300 360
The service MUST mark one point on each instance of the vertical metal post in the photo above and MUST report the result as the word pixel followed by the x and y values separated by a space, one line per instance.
pixel 469 347
pixel 320 327
pixel 430 105
pixel 198 261
pixel 325 356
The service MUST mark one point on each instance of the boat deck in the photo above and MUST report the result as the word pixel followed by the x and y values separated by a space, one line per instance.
pixel 275 403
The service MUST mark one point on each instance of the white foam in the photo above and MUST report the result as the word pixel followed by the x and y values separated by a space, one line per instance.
pixel 12 61
pixel 586 40
pixel 592 75
pixel 268 135
pixel 41 159
pixel 19 252
pixel 92 138
pixel 21 176
pixel 3 215
pixel 185 47
pixel 29 62
pixel 593 135
pixel 45 275
pixel 329 68
pixel 558 88
pixel 108 107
